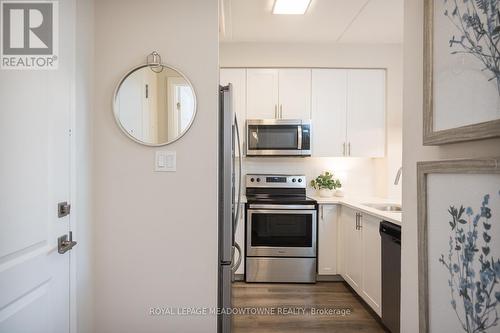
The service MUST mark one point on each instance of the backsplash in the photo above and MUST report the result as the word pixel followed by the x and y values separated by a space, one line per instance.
pixel 358 175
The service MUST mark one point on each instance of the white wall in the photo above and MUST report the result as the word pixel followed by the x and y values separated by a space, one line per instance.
pixel 413 151
pixel 369 177
pixel 156 233
pixel 82 157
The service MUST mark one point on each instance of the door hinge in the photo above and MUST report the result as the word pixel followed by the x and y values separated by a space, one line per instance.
pixel 63 209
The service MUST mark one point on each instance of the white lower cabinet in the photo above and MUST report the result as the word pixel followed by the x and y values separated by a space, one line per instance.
pixel 372 262
pixel 360 255
pixel 352 248
pixel 240 239
pixel 327 239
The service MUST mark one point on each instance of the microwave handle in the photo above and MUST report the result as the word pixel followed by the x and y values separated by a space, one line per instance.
pixel 299 137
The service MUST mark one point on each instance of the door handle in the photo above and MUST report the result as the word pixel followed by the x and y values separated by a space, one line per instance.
pixel 343 149
pixel 349 149
pixel 237 264
pixel 64 244
pixel 299 137
pixel 360 226
pixel 276 116
pixel 357 216
pixel 281 111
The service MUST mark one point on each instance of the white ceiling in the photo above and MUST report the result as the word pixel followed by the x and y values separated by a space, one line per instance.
pixel 326 21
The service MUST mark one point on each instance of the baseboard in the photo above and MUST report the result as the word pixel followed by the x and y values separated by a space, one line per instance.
pixel 319 278
pixel 329 278
pixel 239 277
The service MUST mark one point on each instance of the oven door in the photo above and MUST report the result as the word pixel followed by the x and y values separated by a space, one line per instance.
pixel 279 137
pixel 286 232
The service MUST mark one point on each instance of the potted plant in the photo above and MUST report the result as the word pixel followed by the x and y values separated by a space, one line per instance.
pixel 325 184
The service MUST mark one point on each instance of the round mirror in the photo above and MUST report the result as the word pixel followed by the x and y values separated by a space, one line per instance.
pixel 154 104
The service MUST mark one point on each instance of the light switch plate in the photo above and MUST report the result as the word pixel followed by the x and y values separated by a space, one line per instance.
pixel 165 161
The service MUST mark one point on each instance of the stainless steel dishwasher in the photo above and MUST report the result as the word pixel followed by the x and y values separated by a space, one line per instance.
pixel 391 275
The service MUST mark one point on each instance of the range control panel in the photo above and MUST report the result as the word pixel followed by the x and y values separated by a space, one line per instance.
pixel 278 181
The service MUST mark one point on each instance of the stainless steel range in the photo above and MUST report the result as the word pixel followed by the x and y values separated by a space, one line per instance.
pixel 281 230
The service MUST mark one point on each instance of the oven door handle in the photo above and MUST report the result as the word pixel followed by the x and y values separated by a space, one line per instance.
pixel 280 208
pixel 281 211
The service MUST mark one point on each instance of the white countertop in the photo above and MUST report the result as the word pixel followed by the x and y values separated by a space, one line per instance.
pixel 357 203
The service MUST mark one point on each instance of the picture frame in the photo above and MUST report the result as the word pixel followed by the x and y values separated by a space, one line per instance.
pixel 457 87
pixel 449 194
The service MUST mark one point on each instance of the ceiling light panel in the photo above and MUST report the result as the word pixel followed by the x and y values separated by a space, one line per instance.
pixel 290 7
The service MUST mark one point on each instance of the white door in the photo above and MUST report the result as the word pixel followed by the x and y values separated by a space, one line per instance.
pixel 327 240
pixel 130 104
pixel 353 249
pixel 372 273
pixel 34 173
pixel 34 177
pixel 180 106
pixel 366 112
pixel 295 93
pixel 329 112
pixel 262 93
pixel 237 77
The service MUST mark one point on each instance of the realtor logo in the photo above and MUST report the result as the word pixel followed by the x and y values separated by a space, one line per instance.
pixel 29 34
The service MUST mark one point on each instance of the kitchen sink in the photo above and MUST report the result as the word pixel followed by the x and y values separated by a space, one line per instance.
pixel 393 208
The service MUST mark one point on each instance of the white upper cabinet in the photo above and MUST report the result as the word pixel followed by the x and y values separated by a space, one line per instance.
pixel 329 107
pixel 237 77
pixel 278 93
pixel 366 113
pixel 348 112
pixel 294 94
pixel 262 93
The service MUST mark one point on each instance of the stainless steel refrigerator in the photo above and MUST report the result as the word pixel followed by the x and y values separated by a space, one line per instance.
pixel 229 202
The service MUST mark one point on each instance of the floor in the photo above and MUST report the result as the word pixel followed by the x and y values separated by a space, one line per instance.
pixel 293 308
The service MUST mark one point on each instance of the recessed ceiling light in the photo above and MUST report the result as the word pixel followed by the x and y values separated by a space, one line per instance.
pixel 290 7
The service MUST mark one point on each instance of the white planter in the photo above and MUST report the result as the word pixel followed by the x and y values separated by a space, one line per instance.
pixel 326 193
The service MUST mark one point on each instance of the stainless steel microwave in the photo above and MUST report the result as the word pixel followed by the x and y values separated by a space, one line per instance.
pixel 278 137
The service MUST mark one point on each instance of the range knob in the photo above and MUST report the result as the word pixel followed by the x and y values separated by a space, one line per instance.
pixel 293 180
pixel 252 180
pixel 300 180
pixel 258 180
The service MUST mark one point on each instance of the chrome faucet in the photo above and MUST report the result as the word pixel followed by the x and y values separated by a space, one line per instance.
pixel 398 176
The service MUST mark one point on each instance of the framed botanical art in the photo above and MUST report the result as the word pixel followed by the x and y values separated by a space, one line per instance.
pixel 459 245
pixel 461 70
